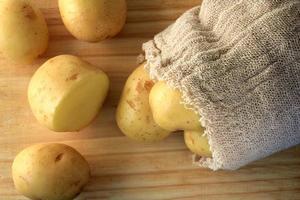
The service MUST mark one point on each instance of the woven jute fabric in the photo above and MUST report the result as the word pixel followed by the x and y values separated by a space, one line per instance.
pixel 237 64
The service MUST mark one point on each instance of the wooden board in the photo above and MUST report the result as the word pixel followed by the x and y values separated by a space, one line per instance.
pixel 121 168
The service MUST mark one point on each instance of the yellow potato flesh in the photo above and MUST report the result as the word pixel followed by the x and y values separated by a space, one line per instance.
pixel 93 20
pixel 134 116
pixel 50 171
pixel 23 31
pixel 66 93
pixel 74 112
pixel 197 143
pixel 168 110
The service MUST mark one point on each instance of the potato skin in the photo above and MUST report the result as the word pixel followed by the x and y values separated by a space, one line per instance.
pixel 168 111
pixel 197 143
pixel 93 20
pixel 23 31
pixel 58 84
pixel 133 115
pixel 50 172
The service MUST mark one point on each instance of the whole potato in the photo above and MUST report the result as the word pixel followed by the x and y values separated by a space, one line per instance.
pixel 23 31
pixel 168 110
pixel 93 20
pixel 66 93
pixel 50 172
pixel 197 143
pixel 134 116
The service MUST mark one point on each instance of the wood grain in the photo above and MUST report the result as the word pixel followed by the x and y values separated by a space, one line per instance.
pixel 123 169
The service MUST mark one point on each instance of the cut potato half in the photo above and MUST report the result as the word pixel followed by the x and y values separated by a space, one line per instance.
pixel 66 93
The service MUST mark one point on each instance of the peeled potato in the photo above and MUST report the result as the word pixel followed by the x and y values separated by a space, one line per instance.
pixel 197 143
pixel 23 31
pixel 134 116
pixel 168 111
pixel 50 171
pixel 66 93
pixel 93 20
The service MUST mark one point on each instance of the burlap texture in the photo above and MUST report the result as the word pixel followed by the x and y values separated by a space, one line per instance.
pixel 237 64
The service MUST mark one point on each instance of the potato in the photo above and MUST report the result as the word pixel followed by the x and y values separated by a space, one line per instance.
pixel 93 20
pixel 134 116
pixel 23 31
pixel 197 143
pixel 66 93
pixel 50 172
pixel 168 110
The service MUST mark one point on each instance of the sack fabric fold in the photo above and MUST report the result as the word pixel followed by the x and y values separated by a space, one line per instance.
pixel 237 64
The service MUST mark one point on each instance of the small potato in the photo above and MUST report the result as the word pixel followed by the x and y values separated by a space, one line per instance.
pixel 50 172
pixel 134 116
pixel 93 20
pixel 23 31
pixel 66 93
pixel 168 111
pixel 197 143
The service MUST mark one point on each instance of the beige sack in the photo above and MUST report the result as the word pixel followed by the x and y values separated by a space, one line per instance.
pixel 237 64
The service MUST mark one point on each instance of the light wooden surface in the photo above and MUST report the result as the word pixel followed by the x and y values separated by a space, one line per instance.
pixel 123 169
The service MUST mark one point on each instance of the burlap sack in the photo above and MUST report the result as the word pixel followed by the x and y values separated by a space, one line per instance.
pixel 237 64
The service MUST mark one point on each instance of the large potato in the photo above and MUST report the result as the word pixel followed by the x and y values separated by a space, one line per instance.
pixel 50 172
pixel 168 110
pixel 93 20
pixel 66 93
pixel 23 31
pixel 134 116
pixel 197 143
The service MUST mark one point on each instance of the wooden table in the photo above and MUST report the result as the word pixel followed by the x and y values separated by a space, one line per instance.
pixel 123 169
